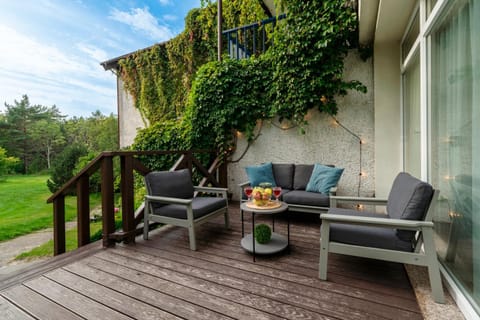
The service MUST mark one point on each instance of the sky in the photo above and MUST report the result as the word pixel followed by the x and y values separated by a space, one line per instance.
pixel 51 50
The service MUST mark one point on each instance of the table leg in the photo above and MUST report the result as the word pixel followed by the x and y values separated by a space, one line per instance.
pixel 243 230
pixel 253 235
pixel 288 231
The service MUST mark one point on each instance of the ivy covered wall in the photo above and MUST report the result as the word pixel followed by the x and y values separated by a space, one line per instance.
pixel 206 102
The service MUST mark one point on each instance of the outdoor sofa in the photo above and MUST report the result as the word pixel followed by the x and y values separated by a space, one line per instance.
pixel 296 182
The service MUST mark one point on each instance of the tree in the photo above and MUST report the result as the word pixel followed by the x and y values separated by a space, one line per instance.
pixel 6 163
pixel 21 126
pixel 64 166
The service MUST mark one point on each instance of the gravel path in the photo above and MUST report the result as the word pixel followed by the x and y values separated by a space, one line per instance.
pixel 11 248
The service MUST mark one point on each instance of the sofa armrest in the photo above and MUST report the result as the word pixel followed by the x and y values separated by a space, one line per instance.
pixel 360 200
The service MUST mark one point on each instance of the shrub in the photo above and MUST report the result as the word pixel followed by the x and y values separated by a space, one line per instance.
pixel 64 166
pixel 263 233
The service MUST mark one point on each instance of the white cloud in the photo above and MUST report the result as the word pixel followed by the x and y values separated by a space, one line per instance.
pixel 170 17
pixel 94 52
pixel 142 20
pixel 165 2
pixel 49 75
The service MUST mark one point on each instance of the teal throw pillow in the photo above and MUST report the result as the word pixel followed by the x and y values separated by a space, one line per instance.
pixel 323 178
pixel 261 173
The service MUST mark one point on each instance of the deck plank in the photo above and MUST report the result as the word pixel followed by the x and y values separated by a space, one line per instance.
pixel 37 305
pixel 212 284
pixel 73 301
pixel 8 311
pixel 116 300
pixel 132 279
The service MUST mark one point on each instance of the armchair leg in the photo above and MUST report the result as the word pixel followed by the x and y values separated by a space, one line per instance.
pixel 145 223
pixel 324 244
pixel 191 235
pixel 433 268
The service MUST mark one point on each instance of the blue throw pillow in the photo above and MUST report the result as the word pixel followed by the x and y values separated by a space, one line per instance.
pixel 261 173
pixel 323 178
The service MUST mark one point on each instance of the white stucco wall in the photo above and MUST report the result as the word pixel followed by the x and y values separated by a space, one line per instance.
pixel 129 118
pixel 324 141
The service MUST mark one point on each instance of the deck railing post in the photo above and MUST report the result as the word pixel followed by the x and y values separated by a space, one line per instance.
pixel 108 215
pixel 83 211
pixel 59 225
pixel 128 210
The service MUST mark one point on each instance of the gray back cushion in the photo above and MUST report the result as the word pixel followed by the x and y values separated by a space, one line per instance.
pixel 409 199
pixel 175 184
pixel 301 176
pixel 283 174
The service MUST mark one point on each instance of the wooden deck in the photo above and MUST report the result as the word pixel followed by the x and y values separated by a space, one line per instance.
pixel 162 279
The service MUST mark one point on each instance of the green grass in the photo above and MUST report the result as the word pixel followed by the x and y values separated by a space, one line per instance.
pixel 24 207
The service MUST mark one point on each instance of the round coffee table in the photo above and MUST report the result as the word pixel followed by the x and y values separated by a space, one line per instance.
pixel 277 243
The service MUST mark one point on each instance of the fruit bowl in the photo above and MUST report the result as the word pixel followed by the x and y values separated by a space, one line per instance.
pixel 261 196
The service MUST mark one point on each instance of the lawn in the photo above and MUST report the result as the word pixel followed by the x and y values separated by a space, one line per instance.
pixel 24 208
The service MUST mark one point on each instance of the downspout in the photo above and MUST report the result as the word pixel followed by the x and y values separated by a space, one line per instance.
pixel 219 29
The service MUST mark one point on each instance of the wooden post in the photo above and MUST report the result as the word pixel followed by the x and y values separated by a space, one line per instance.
pixel 108 215
pixel 219 29
pixel 223 174
pixel 128 211
pixel 83 211
pixel 59 225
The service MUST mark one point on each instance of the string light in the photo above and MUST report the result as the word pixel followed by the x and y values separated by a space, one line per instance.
pixel 360 143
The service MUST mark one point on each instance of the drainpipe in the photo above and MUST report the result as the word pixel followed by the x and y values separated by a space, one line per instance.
pixel 219 29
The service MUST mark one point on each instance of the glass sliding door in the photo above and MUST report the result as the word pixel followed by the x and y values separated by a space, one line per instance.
pixel 455 142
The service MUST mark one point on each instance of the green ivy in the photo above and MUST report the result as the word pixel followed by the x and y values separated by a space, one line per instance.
pixel 204 109
pixel 309 51
pixel 228 96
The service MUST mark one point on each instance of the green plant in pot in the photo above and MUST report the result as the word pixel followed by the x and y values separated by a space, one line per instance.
pixel 263 233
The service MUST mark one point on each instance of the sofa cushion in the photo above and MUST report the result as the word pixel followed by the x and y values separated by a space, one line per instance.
pixel 283 174
pixel 306 198
pixel 201 206
pixel 301 176
pixel 384 238
pixel 409 199
pixel 323 178
pixel 259 174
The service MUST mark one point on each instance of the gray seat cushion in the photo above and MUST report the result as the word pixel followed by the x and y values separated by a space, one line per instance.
pixel 384 238
pixel 302 175
pixel 201 206
pixel 283 174
pixel 409 199
pixel 306 198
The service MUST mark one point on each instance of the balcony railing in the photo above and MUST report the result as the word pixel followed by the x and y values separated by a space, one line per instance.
pixel 214 175
pixel 248 40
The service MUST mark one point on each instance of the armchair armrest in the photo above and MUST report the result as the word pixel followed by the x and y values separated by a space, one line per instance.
pixel 377 222
pixel 168 200
pixel 221 191
pixel 360 200
pixel 333 191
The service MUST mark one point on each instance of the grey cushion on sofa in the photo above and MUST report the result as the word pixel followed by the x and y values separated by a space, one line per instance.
pixel 385 238
pixel 409 199
pixel 200 206
pixel 283 174
pixel 301 176
pixel 306 198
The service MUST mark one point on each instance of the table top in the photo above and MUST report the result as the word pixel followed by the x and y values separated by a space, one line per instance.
pixel 282 208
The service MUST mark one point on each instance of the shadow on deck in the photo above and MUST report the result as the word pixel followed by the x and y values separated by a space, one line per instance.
pixel 162 279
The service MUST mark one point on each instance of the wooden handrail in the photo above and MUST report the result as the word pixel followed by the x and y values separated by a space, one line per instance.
pixel 129 163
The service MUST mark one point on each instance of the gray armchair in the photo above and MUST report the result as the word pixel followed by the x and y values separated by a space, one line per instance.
pixel 396 236
pixel 170 200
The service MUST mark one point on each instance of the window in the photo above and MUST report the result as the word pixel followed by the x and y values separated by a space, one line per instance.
pixel 455 142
